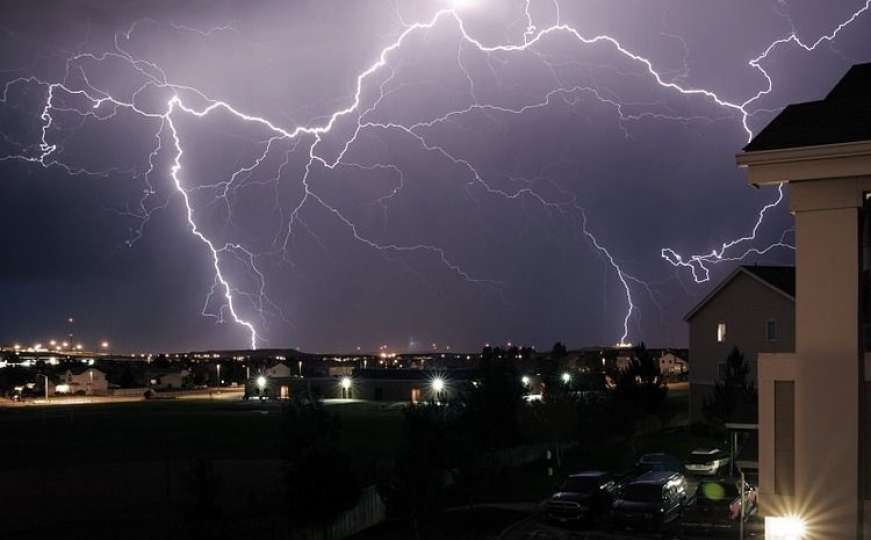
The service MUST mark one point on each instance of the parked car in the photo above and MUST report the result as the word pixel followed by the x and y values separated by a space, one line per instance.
pixel 707 461
pixel 581 497
pixel 658 463
pixel 650 501
pixel 718 505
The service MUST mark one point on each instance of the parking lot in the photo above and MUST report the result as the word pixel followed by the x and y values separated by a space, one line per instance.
pixel 703 512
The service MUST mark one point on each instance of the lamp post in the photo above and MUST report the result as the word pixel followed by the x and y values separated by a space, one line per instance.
pixel 346 387
pixel 438 385
pixel 218 365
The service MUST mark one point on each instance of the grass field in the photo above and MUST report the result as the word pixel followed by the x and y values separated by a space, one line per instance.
pixel 178 430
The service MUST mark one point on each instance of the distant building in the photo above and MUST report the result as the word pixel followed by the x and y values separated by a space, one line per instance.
pixel 89 381
pixel 172 380
pixel 672 366
pixel 278 370
pixel 390 385
pixel 753 309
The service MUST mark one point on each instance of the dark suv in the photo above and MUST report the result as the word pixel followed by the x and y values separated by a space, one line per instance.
pixel 651 500
pixel 583 496
pixel 658 462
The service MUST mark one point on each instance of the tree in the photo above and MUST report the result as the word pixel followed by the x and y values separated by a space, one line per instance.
pixel 734 398
pixel 491 405
pixel 416 489
pixel 321 479
pixel 641 384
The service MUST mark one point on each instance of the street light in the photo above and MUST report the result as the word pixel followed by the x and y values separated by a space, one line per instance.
pixel 525 380
pixel 566 377
pixel 104 344
pixel 346 387
pixel 438 385
pixel 261 382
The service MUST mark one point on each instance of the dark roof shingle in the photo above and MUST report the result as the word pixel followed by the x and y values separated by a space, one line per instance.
pixel 843 116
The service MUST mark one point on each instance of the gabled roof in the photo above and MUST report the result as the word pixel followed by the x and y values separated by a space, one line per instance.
pixel 844 116
pixel 780 279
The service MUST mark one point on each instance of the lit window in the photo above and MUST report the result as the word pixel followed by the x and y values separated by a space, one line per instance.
pixel 721 332
pixel 771 330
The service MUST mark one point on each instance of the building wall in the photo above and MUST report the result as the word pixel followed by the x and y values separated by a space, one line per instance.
pixel 828 367
pixel 388 390
pixel 746 306
pixel 91 381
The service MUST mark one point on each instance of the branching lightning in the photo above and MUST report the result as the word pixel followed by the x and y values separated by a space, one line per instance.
pixel 184 100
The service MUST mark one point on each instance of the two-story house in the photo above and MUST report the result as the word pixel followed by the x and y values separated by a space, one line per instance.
pixel 753 309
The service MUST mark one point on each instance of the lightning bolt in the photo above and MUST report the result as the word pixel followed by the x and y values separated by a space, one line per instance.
pixel 699 264
pixel 102 105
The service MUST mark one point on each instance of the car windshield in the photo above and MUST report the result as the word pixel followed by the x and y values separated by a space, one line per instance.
pixel 699 459
pixel 642 493
pixel 580 484
pixel 716 493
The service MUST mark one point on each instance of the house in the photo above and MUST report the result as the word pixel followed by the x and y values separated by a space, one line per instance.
pixel 90 381
pixel 814 415
pixel 171 380
pixel 752 309
pixel 279 370
pixel 672 366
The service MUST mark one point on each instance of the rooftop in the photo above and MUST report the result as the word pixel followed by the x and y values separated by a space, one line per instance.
pixel 779 278
pixel 844 116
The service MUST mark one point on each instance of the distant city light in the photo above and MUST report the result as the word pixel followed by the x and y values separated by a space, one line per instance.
pixel 79 346
pixel 104 344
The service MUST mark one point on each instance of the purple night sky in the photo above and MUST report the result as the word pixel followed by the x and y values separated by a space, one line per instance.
pixel 389 172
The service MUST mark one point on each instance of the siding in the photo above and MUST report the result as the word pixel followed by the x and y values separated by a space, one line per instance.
pixel 746 306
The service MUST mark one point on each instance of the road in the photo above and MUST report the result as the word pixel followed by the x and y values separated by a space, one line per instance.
pixel 211 393
pixel 535 528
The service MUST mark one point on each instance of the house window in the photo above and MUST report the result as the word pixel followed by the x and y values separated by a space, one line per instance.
pixel 721 332
pixel 771 330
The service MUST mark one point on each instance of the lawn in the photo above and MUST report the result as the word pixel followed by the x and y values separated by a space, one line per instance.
pixel 177 430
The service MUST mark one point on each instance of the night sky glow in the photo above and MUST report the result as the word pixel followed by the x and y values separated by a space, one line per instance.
pixel 333 175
